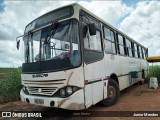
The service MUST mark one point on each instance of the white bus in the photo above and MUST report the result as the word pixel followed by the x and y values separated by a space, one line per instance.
pixel 74 59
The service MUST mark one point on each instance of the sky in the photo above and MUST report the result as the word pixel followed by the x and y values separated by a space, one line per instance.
pixel 137 18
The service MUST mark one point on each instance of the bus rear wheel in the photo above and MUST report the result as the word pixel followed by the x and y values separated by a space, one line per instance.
pixel 113 93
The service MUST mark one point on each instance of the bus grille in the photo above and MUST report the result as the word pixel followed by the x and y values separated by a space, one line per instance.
pixel 42 90
pixel 43 87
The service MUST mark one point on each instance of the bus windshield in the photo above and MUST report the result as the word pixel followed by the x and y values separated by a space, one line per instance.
pixel 62 47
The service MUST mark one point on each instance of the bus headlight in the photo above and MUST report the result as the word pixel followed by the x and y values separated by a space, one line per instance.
pixel 69 90
pixel 66 91
pixel 62 92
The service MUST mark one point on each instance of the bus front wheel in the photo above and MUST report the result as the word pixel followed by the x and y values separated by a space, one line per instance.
pixel 113 93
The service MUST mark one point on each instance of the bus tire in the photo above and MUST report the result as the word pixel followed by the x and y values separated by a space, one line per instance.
pixel 113 87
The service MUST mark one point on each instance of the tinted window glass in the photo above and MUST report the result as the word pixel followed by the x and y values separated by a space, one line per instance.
pixel 135 50
pixel 49 17
pixel 128 43
pixel 121 49
pixel 113 48
pixel 107 33
pixel 112 36
pixel 120 39
pixel 130 53
pixel 93 42
pixel 142 52
pixel 108 46
pixel 135 47
pixel 138 52
pixel 109 41
pixel 121 45
pixel 129 47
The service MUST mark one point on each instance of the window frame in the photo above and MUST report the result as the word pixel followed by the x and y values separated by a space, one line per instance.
pixel 97 29
pixel 135 50
pixel 119 44
pixel 144 52
pixel 129 48
pixel 111 41
pixel 90 56
pixel 138 51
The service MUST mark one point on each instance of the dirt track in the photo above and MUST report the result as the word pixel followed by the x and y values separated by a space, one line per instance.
pixel 2 75
pixel 130 100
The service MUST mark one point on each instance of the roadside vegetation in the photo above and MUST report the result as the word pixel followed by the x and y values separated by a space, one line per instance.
pixel 10 84
pixel 154 71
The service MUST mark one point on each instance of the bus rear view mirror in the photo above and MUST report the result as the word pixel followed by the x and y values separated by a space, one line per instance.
pixel 18 39
pixel 18 43
pixel 92 29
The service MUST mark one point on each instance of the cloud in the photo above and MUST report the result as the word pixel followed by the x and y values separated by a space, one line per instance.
pixel 143 23
pixel 140 22
pixel 7 32
pixel 110 11
pixel 9 56
pixel 13 19
pixel 17 14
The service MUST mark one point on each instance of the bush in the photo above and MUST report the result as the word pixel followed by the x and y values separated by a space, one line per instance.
pixel 154 71
pixel 10 84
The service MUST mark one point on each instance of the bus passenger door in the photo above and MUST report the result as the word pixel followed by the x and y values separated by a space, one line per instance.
pixel 93 65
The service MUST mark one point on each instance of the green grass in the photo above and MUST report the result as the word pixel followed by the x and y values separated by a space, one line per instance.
pixel 6 70
pixel 10 84
pixel 154 71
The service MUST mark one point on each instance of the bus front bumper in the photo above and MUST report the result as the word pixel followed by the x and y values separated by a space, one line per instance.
pixel 73 102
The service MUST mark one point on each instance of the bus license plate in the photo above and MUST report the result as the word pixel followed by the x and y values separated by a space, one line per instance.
pixel 39 101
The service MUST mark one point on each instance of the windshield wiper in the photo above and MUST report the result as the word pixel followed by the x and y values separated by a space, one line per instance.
pixel 51 31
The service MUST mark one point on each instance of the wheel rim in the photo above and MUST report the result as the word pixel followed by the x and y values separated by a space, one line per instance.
pixel 111 92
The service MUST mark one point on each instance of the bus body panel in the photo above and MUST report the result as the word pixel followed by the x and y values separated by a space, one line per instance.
pixel 71 77
pixel 112 62
pixel 94 73
pixel 115 64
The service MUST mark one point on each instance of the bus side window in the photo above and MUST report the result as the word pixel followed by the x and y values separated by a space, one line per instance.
pixel 132 46
pixel 146 52
pixel 121 44
pixel 85 36
pixel 109 41
pixel 142 52
pixel 135 50
pixel 129 48
pixel 91 42
pixel 95 41
pixel 138 51
pixel 126 52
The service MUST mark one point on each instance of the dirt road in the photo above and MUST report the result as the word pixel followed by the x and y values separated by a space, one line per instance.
pixel 130 100
pixel 2 75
